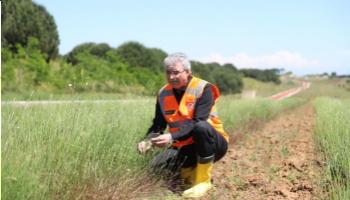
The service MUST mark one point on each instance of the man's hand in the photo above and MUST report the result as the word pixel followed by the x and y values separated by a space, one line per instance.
pixel 144 146
pixel 162 140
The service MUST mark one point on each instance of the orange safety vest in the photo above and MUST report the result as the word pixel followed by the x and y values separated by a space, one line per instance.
pixel 178 115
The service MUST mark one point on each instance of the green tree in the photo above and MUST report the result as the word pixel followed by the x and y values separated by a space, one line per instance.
pixel 137 55
pixel 22 19
pixel 8 73
pixel 225 77
pixel 99 50
pixel 159 56
pixel 202 70
pixel 26 69
pixel 266 75
pixel 228 82
pixel 230 66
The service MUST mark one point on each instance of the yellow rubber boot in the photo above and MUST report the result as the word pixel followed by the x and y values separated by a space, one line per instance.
pixel 202 181
pixel 187 173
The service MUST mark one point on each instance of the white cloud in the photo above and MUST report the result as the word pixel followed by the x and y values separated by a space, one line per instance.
pixel 282 59
pixel 345 53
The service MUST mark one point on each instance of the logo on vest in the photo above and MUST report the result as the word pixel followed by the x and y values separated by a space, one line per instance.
pixel 169 112
pixel 190 105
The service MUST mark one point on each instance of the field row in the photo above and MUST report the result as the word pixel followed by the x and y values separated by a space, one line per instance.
pixel 65 151
pixel 333 138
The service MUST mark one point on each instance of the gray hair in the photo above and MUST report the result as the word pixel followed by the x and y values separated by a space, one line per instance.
pixel 174 58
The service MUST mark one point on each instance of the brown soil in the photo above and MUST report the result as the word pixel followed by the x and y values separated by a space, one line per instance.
pixel 267 161
pixel 276 161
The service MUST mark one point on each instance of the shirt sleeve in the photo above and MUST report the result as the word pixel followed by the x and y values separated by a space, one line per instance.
pixel 201 113
pixel 159 123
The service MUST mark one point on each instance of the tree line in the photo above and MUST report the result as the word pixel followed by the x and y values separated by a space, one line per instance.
pixel 30 60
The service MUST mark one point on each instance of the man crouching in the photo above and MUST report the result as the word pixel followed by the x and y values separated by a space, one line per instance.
pixel 187 105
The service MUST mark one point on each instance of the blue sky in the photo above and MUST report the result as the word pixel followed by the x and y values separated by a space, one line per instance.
pixel 302 36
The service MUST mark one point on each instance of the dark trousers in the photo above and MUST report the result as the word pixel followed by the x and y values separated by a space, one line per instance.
pixel 208 143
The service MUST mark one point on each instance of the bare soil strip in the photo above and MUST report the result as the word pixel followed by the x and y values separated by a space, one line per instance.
pixel 277 161
pixel 291 92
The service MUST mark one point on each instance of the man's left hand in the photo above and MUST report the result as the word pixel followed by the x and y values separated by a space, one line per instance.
pixel 162 140
pixel 144 146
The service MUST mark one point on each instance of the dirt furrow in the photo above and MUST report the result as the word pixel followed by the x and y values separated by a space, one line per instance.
pixel 276 161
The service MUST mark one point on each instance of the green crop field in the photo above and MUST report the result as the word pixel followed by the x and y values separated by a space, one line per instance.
pixel 264 89
pixel 78 150
pixel 66 151
pixel 333 137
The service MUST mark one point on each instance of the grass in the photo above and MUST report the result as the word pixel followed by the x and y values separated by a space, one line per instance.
pixel 284 152
pixel 52 151
pixel 265 89
pixel 79 151
pixel 325 88
pixel 235 113
pixel 273 172
pixel 333 138
pixel 76 151
pixel 30 96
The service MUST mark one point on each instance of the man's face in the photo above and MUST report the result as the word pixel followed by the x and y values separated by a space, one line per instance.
pixel 177 76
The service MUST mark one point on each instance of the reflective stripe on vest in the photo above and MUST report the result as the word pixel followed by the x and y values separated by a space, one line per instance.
pixel 178 115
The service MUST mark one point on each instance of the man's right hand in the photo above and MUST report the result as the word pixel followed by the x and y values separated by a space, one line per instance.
pixel 162 140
